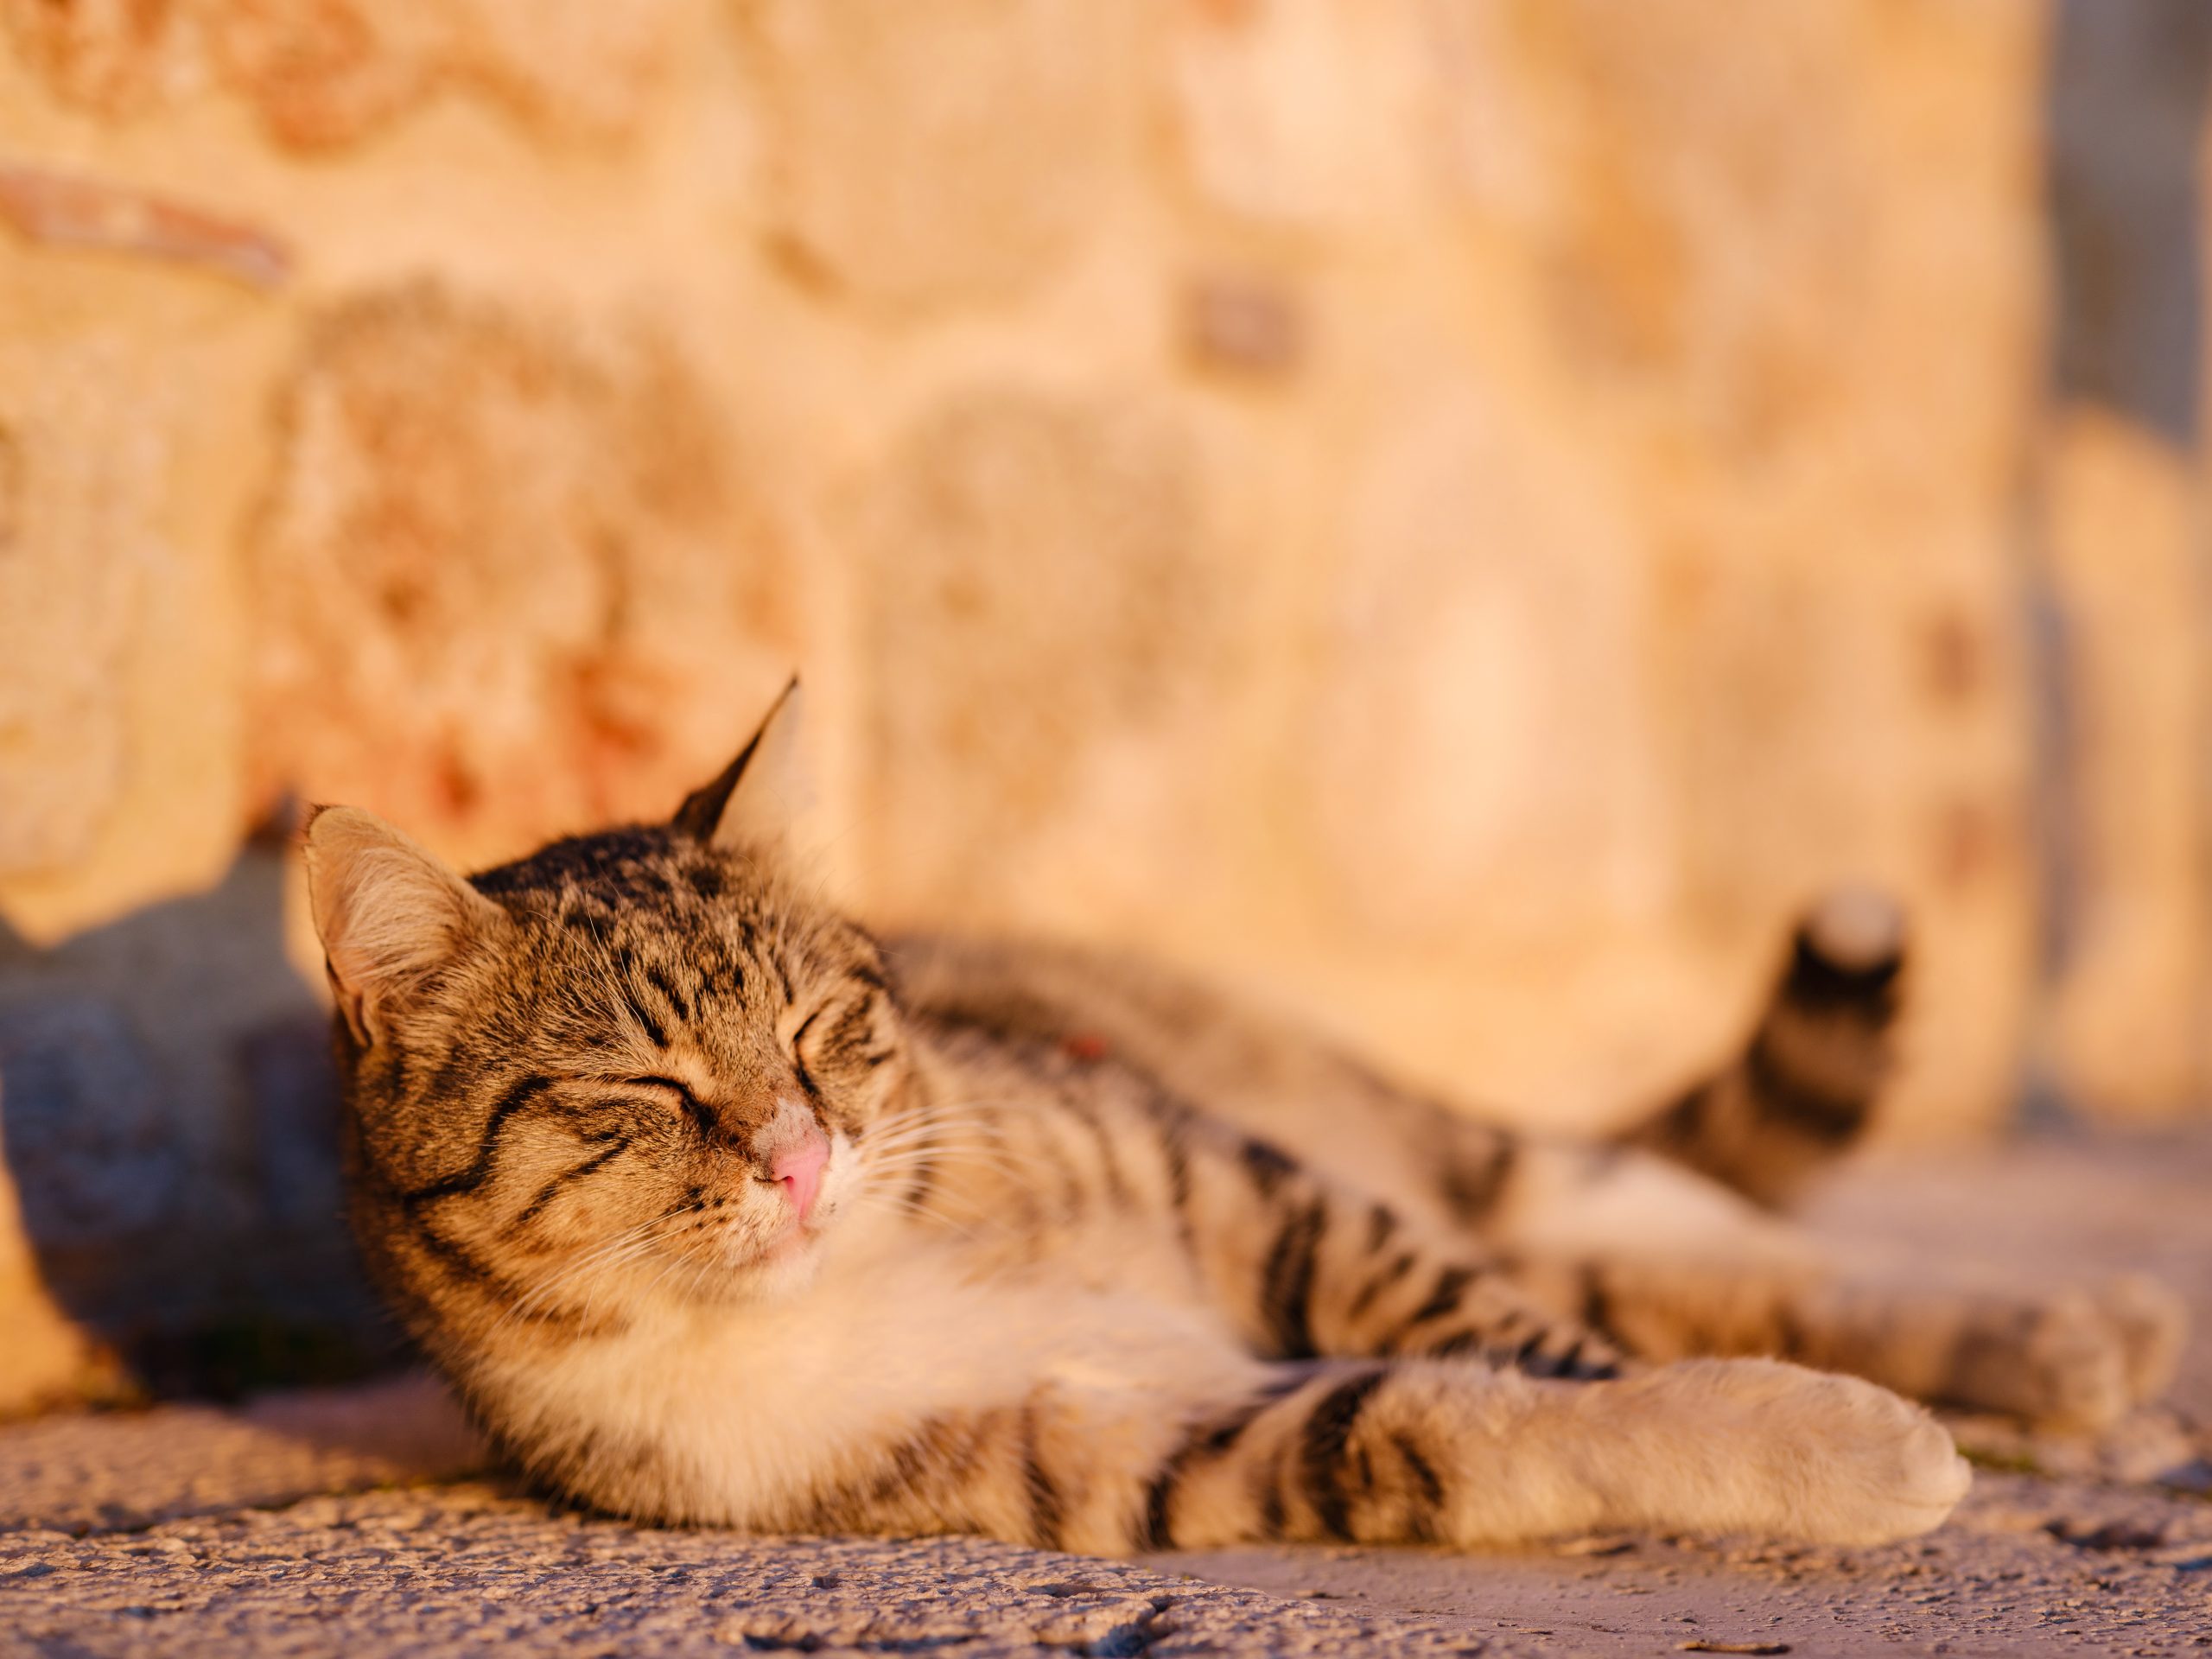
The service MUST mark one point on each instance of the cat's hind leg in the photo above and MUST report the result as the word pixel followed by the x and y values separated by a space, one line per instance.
pixel 1666 1266
pixel 2074 1357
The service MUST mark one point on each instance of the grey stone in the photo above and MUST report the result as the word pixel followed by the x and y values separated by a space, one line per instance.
pixel 95 1149
pixel 169 1120
pixel 291 1086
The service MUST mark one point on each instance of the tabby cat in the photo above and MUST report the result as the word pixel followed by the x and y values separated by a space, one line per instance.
pixel 717 1209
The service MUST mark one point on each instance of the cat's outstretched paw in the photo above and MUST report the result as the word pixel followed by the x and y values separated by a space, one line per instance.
pixel 2055 1360
pixel 2077 1359
pixel 1811 1455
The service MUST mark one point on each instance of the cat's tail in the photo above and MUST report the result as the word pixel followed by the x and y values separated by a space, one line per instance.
pixel 1804 1087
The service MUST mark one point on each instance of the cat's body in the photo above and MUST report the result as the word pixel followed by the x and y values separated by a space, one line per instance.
pixel 714 1209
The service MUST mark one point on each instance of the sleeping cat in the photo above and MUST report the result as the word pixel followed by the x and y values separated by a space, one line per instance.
pixel 715 1209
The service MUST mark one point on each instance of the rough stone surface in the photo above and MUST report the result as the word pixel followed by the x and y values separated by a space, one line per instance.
pixel 126 1470
pixel 2028 1565
pixel 936 150
pixel 451 1569
pixel 455 1570
pixel 187 1529
pixel 448 1569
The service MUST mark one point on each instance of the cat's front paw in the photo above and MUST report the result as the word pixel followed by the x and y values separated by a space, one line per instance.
pixel 1880 1466
pixel 1811 1455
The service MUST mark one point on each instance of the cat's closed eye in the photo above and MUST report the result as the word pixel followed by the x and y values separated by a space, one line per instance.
pixel 835 1037
pixel 668 1090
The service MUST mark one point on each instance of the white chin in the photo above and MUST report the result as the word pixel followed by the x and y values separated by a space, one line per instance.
pixel 786 1265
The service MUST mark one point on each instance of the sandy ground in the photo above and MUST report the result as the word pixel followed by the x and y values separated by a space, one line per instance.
pixel 361 1521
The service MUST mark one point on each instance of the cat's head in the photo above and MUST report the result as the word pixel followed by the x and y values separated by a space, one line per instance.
pixel 634 1063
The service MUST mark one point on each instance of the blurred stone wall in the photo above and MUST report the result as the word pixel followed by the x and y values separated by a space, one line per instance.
pixel 2119 555
pixel 1462 514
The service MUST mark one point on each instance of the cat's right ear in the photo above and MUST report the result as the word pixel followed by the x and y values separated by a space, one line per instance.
pixel 389 914
pixel 759 797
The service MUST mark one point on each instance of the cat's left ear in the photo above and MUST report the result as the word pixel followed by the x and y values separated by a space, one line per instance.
pixel 759 798
pixel 389 915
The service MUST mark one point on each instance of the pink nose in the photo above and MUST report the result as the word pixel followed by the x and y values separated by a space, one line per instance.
pixel 797 1170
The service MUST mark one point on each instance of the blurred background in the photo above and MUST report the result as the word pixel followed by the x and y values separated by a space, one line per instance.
pixel 1462 515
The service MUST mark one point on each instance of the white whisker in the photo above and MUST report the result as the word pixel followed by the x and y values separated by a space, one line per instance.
pixel 603 1257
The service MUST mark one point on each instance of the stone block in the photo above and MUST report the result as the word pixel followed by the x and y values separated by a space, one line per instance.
pixel 128 400
pixel 81 472
pixel 932 151
pixel 1037 620
pixel 1695 194
pixel 507 578
pixel 1481 766
pixel 89 1129
pixel 168 1115
pixel 1720 253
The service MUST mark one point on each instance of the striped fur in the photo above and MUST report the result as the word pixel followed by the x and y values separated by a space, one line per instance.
pixel 1100 1260
pixel 1805 1085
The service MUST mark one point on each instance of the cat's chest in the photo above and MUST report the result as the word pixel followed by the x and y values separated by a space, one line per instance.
pixel 755 1404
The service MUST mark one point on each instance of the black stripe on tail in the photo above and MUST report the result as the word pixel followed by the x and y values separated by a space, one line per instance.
pixel 1805 1085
